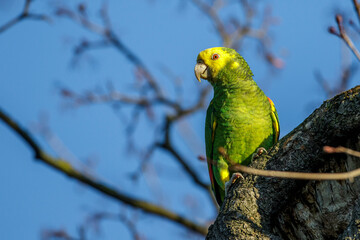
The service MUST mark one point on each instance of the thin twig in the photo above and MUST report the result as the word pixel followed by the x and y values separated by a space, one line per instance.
pixel 232 38
pixel 357 8
pixel 324 84
pixel 24 15
pixel 66 168
pixel 110 36
pixel 57 234
pixel 350 175
pixel 350 44
pixel 211 12
pixel 341 149
pixel 195 177
pixel 344 36
pixel 297 175
pixel 115 96
pixel 95 218
pixel 347 73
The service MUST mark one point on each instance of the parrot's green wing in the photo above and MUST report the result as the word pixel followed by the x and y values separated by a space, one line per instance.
pixel 275 121
pixel 210 130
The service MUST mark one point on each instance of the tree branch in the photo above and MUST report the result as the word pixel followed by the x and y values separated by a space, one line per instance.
pixel 109 36
pixel 297 175
pixel 344 36
pixel 66 168
pixel 169 148
pixel 357 8
pixel 211 12
pixel 146 102
pixel 25 14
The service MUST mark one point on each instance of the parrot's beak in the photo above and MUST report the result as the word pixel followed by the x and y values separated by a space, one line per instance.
pixel 201 70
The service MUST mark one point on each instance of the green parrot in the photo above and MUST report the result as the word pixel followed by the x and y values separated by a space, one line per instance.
pixel 240 118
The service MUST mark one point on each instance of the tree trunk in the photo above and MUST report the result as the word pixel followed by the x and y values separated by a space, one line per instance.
pixel 273 208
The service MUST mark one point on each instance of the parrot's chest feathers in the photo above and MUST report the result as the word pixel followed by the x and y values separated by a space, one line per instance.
pixel 237 120
pixel 242 120
pixel 231 108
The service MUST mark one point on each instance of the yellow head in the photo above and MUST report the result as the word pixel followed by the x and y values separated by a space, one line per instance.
pixel 213 60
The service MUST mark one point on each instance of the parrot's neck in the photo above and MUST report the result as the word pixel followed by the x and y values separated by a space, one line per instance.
pixel 242 88
pixel 242 92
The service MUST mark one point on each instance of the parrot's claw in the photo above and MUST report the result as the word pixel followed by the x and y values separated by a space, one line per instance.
pixel 233 178
pixel 258 153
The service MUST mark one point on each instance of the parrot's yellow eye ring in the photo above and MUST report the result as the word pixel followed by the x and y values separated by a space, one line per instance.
pixel 215 56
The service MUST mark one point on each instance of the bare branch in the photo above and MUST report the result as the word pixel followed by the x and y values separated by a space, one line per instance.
pixel 66 168
pixel 357 8
pixel 344 36
pixel 108 35
pixel 298 175
pixel 115 96
pixel 146 103
pixel 211 12
pixel 25 14
pixel 342 83
pixel 168 147
pixel 167 144
pixel 129 223
pixel 232 38
pixel 56 234
pixel 323 83
pixel 341 149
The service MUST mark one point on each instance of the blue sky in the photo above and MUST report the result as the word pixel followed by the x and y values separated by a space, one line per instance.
pixel 35 58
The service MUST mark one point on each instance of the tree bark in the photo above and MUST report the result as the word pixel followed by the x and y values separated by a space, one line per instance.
pixel 273 208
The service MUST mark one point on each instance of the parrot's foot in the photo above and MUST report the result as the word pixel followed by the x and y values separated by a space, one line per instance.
pixel 233 178
pixel 258 153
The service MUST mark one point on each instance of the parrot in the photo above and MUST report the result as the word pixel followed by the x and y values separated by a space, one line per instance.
pixel 240 118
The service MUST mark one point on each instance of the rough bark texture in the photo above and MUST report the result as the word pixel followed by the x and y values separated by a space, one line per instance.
pixel 272 208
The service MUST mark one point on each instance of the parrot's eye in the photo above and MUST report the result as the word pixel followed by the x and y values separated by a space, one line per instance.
pixel 215 56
